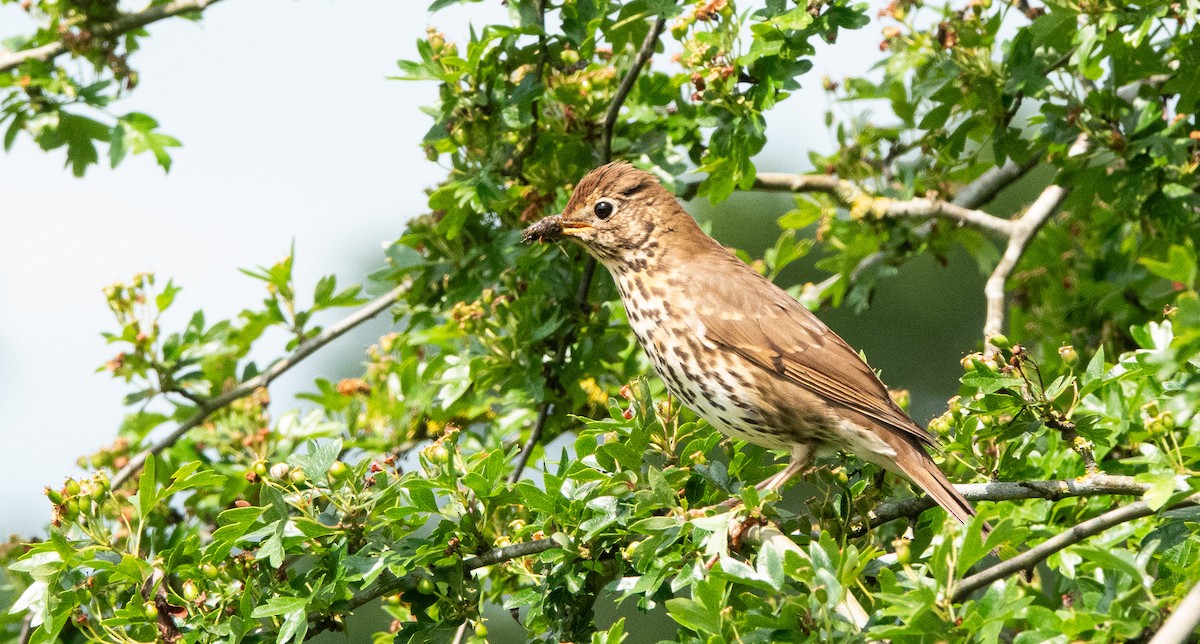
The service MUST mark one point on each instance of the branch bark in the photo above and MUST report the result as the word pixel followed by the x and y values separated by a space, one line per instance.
pixel 626 86
pixel 388 583
pixel 1094 485
pixel 859 200
pixel 1023 231
pixel 1071 536
pixel 990 183
pixel 1182 623
pixel 249 386
pixel 10 60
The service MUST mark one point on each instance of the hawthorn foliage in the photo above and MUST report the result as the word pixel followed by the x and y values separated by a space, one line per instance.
pixel 505 446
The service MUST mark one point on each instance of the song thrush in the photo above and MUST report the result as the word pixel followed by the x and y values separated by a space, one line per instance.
pixel 732 345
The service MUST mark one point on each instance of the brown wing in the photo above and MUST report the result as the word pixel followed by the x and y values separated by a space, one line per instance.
pixel 759 321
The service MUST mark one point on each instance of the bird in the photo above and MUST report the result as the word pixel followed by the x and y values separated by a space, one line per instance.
pixel 732 345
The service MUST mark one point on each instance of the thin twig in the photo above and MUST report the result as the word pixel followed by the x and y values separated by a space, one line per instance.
pixel 535 435
pixel 626 86
pixel 1095 485
pixel 460 633
pixel 1024 230
pixel 128 22
pixel 589 268
pixel 1181 625
pixel 517 550
pixel 859 200
pixel 26 628
pixel 249 386
pixel 535 106
pixel 1030 558
pixel 991 182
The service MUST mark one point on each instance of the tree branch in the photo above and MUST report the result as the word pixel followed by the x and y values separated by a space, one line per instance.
pixel 859 200
pixel 10 60
pixel 1182 623
pixel 515 551
pixel 1071 536
pixel 247 387
pixel 589 270
pixel 626 86
pixel 1094 485
pixel 535 435
pixel 1023 231
pixel 990 183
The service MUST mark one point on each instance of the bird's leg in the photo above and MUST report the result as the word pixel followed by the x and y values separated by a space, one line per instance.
pixel 802 457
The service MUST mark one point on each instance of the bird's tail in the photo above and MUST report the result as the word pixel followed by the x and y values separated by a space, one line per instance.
pixel 912 461
pixel 915 464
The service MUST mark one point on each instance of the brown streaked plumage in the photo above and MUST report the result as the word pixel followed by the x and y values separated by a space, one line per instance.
pixel 732 345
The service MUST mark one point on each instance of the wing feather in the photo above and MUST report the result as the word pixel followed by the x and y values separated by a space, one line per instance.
pixel 747 314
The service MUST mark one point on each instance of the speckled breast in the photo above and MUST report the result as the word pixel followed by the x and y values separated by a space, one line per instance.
pixel 716 384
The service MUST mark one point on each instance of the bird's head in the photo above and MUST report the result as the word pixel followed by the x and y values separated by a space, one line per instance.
pixel 618 212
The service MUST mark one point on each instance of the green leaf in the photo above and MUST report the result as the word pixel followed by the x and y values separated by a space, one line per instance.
pixel 146 487
pixel 116 144
pixel 279 606
pixel 769 566
pixel 692 615
pixel 1180 265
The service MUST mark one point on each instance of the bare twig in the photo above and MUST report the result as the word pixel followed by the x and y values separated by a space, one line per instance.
pixel 860 201
pixel 990 183
pixel 26 628
pixel 1094 485
pixel 1068 537
pixel 1129 92
pixel 1024 229
pixel 517 550
pixel 128 22
pixel 535 106
pixel 460 633
pixel 626 86
pixel 249 386
pixel 589 269
pixel 1182 623
pixel 1073 440
pixel 535 435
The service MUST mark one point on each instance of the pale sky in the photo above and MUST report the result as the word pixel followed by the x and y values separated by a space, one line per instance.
pixel 290 132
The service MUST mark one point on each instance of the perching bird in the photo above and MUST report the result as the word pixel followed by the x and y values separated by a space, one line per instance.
pixel 733 346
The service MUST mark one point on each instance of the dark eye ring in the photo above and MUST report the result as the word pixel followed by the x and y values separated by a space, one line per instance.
pixel 604 209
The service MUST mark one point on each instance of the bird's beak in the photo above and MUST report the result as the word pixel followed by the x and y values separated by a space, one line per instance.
pixel 554 227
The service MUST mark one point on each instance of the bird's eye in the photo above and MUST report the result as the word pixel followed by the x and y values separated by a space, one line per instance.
pixel 604 209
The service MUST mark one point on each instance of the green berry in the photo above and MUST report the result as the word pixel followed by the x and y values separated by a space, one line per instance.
pixel 1068 354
